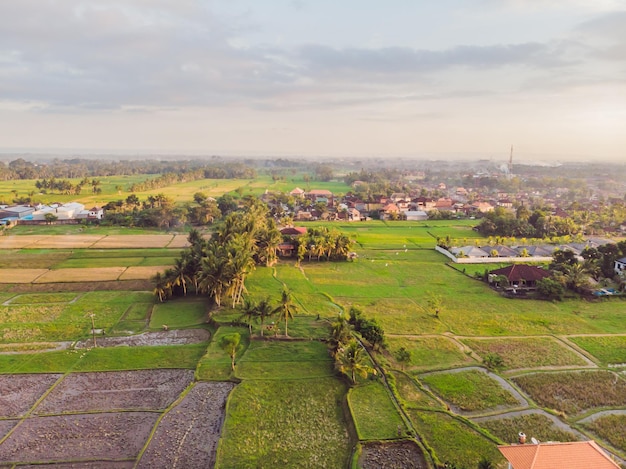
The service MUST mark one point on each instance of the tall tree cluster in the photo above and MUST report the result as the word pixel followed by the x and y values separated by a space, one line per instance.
pixel 219 266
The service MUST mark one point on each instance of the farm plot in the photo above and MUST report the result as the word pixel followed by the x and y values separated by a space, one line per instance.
pixel 471 390
pixel 19 242
pixel 609 350
pixel 66 242
pixel 375 415
pixel 21 275
pixel 100 437
pixel 134 241
pixel 576 391
pixel 293 423
pixel 527 353
pixel 115 390
pixel 187 435
pixel 544 427
pixel 20 392
pixel 610 427
pixel 97 274
pixel 142 272
pixel 428 353
pixel 405 455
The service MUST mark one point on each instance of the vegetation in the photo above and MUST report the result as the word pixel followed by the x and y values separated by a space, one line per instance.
pixel 609 350
pixel 374 413
pixel 534 425
pixel 469 390
pixel 611 428
pixel 574 392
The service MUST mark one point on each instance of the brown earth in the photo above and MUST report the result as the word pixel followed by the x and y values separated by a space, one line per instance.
pixel 98 437
pixel 401 455
pixel 187 435
pixel 117 285
pixel 116 390
pixel 173 337
pixel 20 392
pixel 101 437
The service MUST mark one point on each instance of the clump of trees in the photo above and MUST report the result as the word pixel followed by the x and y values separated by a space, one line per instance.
pixel 323 243
pixel 219 266
pixel 523 223
pixel 351 359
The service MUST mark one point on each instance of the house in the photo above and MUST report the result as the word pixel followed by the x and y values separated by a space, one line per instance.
pixel 16 211
pixel 469 251
pixel 286 249
pixel 293 231
pixel 321 195
pixel 620 266
pixel 482 207
pixel 297 192
pixel 500 251
pixel 519 276
pixel 554 455
pixel 388 211
pixel 535 251
pixel 416 215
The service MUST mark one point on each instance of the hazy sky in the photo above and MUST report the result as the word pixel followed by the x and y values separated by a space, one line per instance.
pixel 318 77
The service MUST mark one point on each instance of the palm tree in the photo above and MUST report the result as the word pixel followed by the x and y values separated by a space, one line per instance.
pixel 179 275
pixel 352 361
pixel 341 333
pixel 162 286
pixel 264 310
pixel 248 312
pixel 286 307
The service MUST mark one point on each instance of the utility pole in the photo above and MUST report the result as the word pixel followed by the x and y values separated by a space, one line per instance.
pixel 93 329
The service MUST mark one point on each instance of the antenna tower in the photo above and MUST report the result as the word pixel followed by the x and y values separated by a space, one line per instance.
pixel 511 163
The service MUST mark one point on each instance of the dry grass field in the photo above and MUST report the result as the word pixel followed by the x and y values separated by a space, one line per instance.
pixel 141 272
pixel 20 275
pixel 134 241
pixel 98 274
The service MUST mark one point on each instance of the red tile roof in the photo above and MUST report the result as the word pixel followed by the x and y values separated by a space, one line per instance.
pixel 575 455
pixel 517 272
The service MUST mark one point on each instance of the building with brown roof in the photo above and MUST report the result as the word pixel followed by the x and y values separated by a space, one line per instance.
pixel 519 275
pixel 571 455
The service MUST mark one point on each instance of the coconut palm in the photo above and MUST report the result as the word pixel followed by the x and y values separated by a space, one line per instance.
pixel 264 310
pixel 230 344
pixel 286 307
pixel 248 312
pixel 352 361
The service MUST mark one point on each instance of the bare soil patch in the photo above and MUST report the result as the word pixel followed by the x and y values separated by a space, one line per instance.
pixel 401 455
pixel 20 392
pixel 116 390
pixel 84 465
pixel 94 274
pixel 21 275
pixel 83 286
pixel 6 426
pixel 187 435
pixel 19 242
pixel 137 272
pixel 66 242
pixel 173 337
pixel 101 437
pixel 133 241
pixel 179 241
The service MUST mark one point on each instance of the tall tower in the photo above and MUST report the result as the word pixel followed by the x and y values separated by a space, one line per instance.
pixel 510 172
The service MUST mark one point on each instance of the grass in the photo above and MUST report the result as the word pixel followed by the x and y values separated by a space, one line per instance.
pixel 104 359
pixel 411 395
pixel 375 415
pixel 285 360
pixel 608 350
pixel 470 391
pixel 181 312
pixel 574 392
pixel 611 428
pixel 66 321
pixel 43 298
pixel 287 424
pixel 215 363
pixel 533 425
pixel 452 440
pixel 427 353
pixel 527 353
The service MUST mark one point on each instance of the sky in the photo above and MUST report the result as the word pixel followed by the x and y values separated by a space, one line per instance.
pixel 319 78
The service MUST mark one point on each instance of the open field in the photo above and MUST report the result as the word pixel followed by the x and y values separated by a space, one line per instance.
pixel 609 350
pixel 469 391
pixel 527 353
pixel 289 408
pixel 101 418
pixel 576 391
pixel 535 425
pixel 375 415
pixel 285 423
pixel 611 428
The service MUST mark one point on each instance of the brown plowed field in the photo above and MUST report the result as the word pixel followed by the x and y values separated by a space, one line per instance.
pixel 105 420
